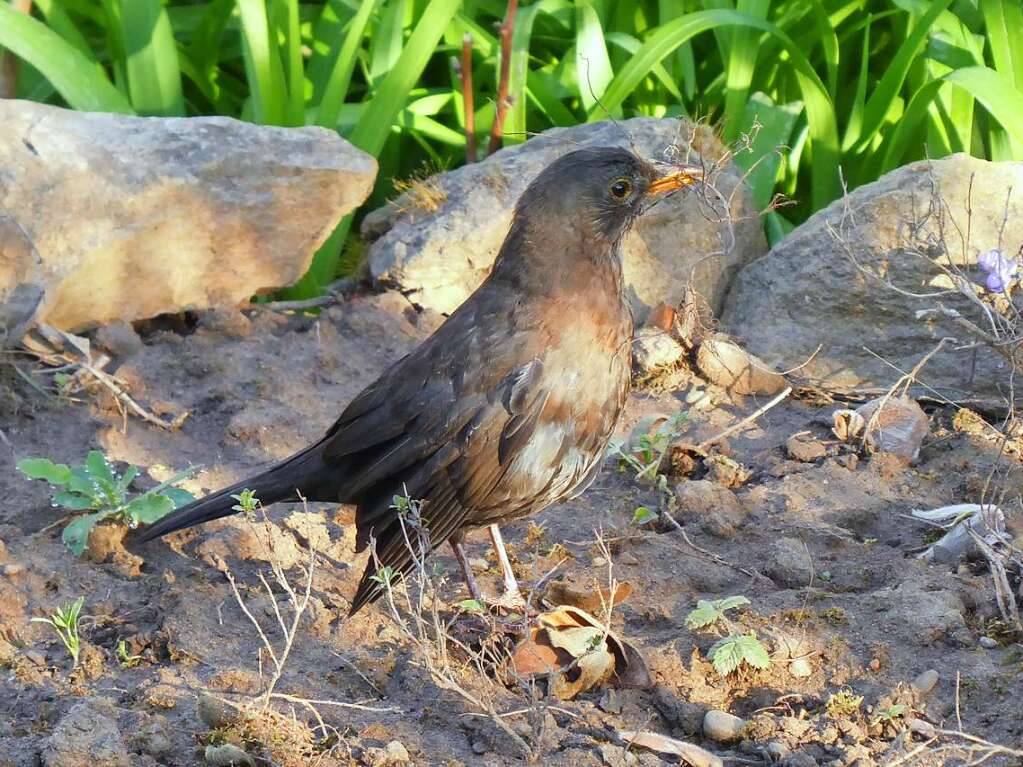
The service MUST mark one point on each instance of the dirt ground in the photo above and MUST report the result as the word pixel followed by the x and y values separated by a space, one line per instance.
pixel 823 550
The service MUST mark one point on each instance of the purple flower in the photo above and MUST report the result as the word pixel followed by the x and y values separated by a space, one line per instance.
pixel 1000 270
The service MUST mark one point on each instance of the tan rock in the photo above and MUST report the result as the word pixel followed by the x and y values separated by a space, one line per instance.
pixel 729 366
pixel 110 218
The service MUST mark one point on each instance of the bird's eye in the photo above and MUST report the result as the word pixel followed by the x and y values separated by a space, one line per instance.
pixel 620 188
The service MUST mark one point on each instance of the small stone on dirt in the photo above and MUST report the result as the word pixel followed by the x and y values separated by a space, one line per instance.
pixel 987 643
pixel 653 350
pixel 728 365
pixel 925 682
pixel 119 338
pixel 227 755
pixel 87 735
pixel 800 668
pixel 215 713
pixel 393 754
pixel 716 508
pixel 722 726
pixel 790 565
pixel 610 702
pixel 803 447
pixel 799 759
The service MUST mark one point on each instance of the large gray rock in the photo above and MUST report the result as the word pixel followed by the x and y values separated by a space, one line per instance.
pixel 105 217
pixel 439 240
pixel 809 292
pixel 87 735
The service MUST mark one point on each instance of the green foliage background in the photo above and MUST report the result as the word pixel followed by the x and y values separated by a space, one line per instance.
pixel 857 85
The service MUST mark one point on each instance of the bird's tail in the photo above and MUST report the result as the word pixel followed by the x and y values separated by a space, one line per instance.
pixel 288 479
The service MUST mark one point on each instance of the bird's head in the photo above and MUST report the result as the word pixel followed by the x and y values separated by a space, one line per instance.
pixel 600 191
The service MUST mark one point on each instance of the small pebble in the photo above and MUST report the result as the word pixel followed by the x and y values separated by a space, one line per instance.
pixel 803 447
pixel 215 713
pixel 393 754
pixel 800 759
pixel 926 681
pixel 921 727
pixel 722 726
pixel 610 702
pixel 800 668
pixel 227 755
pixel 988 643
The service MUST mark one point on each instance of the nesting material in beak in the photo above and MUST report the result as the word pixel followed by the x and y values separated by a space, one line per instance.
pixel 681 177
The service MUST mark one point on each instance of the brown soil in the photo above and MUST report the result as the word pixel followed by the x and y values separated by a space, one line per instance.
pixel 823 550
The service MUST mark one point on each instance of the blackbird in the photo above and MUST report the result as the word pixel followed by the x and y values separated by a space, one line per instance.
pixel 508 407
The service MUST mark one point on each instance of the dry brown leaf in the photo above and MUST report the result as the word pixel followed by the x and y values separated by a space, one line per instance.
pixel 690 752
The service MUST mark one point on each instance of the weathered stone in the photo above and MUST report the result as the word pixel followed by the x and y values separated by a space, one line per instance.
pixel 715 508
pixel 654 349
pixel 439 244
pixel 87 735
pixel 722 726
pixel 810 291
pixel 895 425
pixel 790 565
pixel 803 447
pixel 112 218
pixel 736 370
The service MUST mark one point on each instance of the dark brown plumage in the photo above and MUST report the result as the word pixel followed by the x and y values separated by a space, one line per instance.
pixel 509 406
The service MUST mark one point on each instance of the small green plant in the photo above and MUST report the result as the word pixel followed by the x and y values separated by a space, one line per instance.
pixel 96 490
pixel 730 652
pixel 890 714
pixel 247 503
pixel 125 657
pixel 645 455
pixel 643 515
pixel 65 622
pixel 843 704
pixel 384 576
pixel 471 605
pixel 709 613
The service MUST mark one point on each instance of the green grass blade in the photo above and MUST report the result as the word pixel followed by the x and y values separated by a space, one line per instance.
pixel 340 79
pixel 854 125
pixel 70 72
pixel 151 58
pixel 993 90
pixel 375 123
pixel 387 39
pixel 762 163
pixel 593 65
pixel 288 27
pixel 819 109
pixel 887 90
pixel 371 130
pixel 1003 21
pixel 518 71
pixel 199 62
pixel 262 64
pixel 742 59
pixel 630 44
pixel 829 44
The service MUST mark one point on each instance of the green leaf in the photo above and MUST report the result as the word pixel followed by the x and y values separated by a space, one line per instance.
pixel 374 126
pixel 880 102
pixel 730 603
pixel 705 614
pixel 471 605
pixel 262 64
pixel 341 75
pixel 73 75
pixel 154 75
pixel 1000 99
pixel 593 66
pixel 820 111
pixel 74 501
pixel 76 533
pixel 179 496
pixel 99 468
pixel 45 469
pixel 148 508
pixel 128 477
pixel 762 162
pixel 81 482
pixel 642 515
pixel 730 653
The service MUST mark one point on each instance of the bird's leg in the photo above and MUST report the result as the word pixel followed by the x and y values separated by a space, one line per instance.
pixel 463 563
pixel 512 597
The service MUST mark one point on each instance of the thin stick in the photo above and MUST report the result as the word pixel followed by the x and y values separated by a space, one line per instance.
pixel 502 84
pixel 468 101
pixel 745 421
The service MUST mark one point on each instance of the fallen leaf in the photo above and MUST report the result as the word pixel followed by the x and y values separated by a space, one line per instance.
pixel 690 752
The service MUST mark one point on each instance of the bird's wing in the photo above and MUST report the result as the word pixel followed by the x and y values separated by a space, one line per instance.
pixel 441 426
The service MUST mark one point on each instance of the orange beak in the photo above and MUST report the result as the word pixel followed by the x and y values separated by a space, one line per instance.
pixel 681 177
